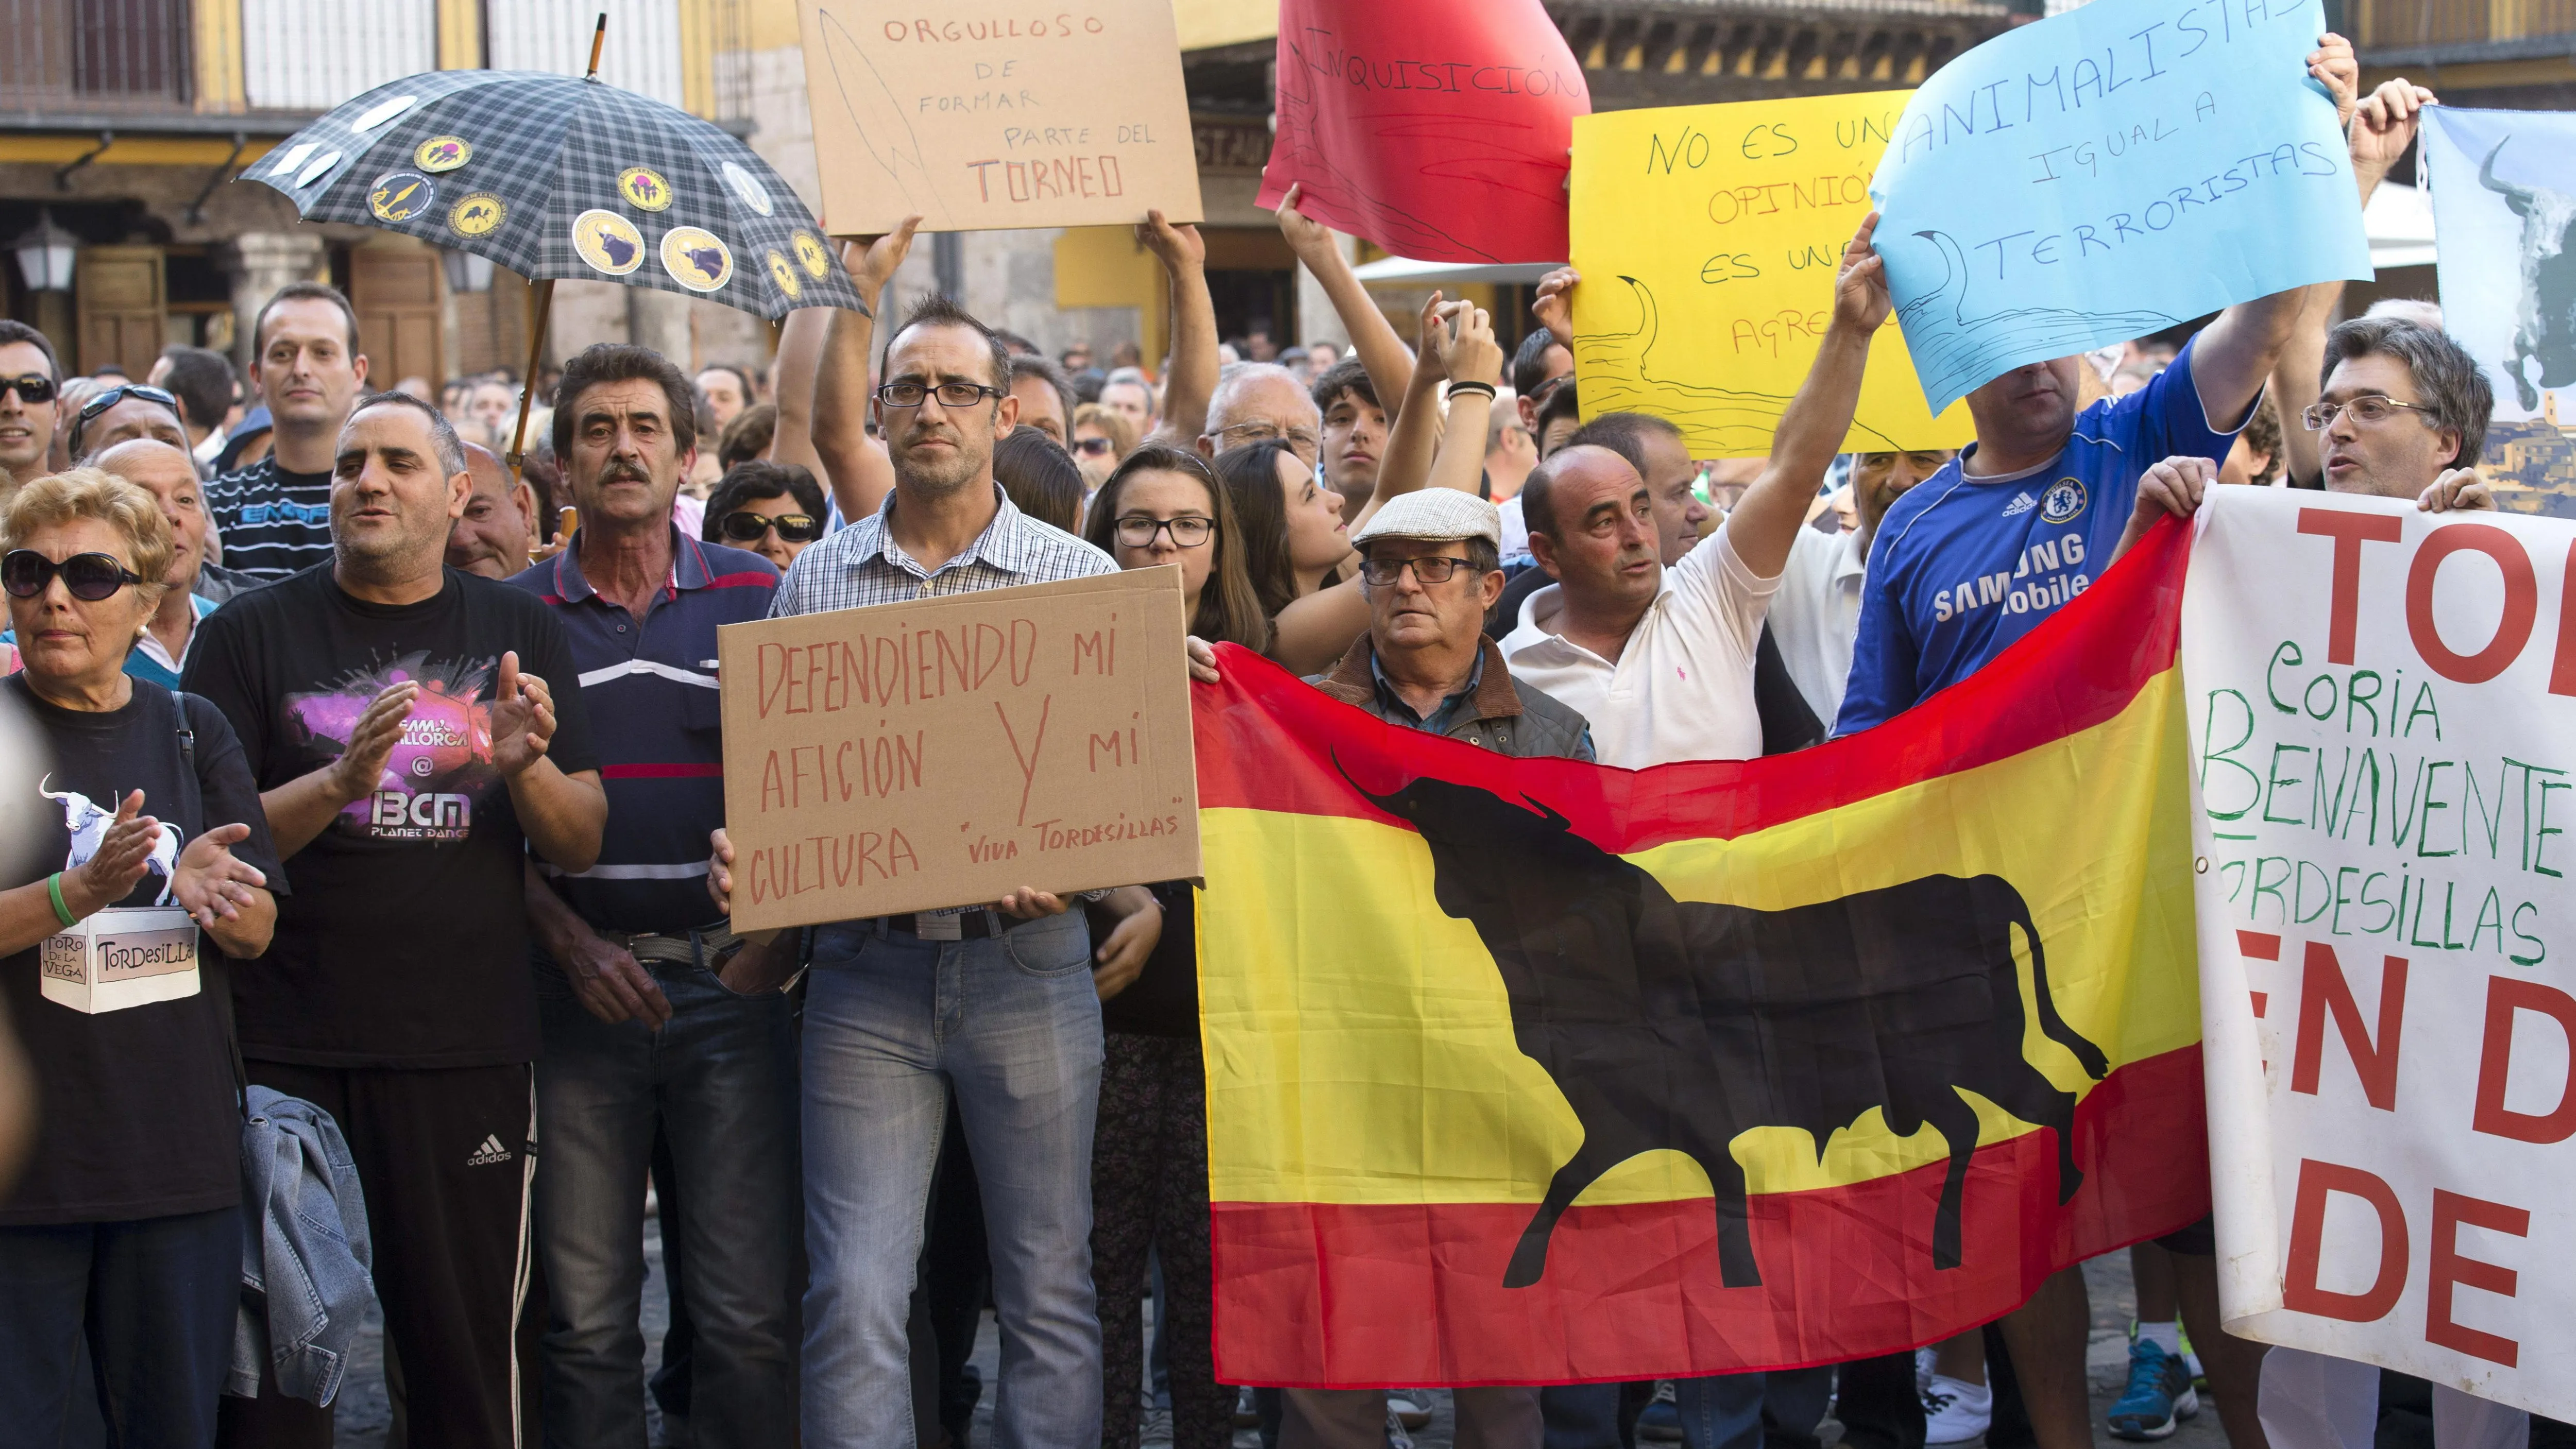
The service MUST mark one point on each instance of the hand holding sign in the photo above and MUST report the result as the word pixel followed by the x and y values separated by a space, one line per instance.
pixel 2110 172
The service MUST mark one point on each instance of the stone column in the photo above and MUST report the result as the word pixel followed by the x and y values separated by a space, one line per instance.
pixel 659 320
pixel 1316 319
pixel 260 262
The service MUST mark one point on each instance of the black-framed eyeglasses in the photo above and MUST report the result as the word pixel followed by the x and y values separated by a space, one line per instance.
pixel 910 394
pixel 1187 531
pixel 1094 447
pixel 31 387
pixel 2367 409
pixel 101 401
pixel 89 577
pixel 1429 569
pixel 747 527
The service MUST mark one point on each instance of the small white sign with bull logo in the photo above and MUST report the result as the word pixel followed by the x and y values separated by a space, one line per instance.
pixel 121 957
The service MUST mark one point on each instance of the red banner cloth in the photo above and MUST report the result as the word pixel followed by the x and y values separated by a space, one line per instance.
pixel 1435 128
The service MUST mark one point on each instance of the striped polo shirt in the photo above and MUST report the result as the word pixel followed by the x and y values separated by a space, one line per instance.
pixel 656 718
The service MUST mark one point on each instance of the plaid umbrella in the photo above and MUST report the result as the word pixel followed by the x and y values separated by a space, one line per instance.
pixel 553 176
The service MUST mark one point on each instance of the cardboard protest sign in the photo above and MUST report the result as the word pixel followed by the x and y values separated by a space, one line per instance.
pixel 997 119
pixel 2108 173
pixel 1708 237
pixel 1435 128
pixel 948 751
pixel 2379 722
pixel 2504 217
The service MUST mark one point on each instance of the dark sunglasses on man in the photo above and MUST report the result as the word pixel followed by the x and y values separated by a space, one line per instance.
pixel 31 387
pixel 90 577
pixel 747 527
pixel 101 402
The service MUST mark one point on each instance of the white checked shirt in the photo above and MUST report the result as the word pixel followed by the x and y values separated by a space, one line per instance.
pixel 862 564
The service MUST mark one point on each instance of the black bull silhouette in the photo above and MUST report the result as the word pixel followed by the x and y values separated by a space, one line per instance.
pixel 1679 1025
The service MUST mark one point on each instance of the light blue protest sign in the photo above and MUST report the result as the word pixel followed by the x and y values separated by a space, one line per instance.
pixel 2109 173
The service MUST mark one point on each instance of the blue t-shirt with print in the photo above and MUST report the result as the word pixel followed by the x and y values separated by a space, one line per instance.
pixel 1963 566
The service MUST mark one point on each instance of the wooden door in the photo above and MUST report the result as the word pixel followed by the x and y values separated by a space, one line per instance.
pixel 121 294
pixel 396 292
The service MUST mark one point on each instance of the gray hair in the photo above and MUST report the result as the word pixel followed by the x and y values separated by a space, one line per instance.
pixel 2455 394
pixel 1233 378
pixel 442 433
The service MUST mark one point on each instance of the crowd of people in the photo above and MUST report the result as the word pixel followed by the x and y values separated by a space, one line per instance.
pixel 437 744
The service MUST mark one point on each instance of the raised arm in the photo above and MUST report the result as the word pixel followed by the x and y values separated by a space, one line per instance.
pixel 800 355
pixel 1189 375
pixel 2383 126
pixel 1812 428
pixel 855 464
pixel 1388 361
pixel 1412 443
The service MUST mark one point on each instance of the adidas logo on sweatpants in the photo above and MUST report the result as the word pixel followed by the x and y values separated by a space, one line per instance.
pixel 489 1153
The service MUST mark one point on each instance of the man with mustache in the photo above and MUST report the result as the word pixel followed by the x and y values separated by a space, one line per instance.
pixel 642 1037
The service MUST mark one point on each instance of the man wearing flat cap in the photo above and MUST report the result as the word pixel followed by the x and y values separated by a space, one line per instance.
pixel 1431 568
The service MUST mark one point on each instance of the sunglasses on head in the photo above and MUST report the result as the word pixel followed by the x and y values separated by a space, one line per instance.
pixel 88 576
pixel 100 402
pixel 747 527
pixel 31 387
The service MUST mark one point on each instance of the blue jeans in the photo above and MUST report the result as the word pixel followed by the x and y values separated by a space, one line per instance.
pixel 155 1299
pixel 720 1078
pixel 1728 1411
pixel 893 1025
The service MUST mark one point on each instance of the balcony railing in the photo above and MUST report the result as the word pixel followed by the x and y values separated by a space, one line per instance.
pixel 2412 24
pixel 79 61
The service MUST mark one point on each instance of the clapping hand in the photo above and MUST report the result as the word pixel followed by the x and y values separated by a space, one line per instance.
pixel 123 854
pixel 360 770
pixel 523 719
pixel 211 883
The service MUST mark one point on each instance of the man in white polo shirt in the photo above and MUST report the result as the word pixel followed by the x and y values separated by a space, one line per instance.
pixel 1661 661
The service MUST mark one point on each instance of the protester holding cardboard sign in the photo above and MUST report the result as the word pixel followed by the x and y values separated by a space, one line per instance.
pixel 1012 1025
pixel 128 1218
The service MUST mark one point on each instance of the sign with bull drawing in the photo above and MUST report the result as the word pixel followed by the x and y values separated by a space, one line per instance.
pixel 2504 214
pixel 1537 1071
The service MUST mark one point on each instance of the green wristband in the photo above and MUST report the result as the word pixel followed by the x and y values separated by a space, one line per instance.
pixel 54 888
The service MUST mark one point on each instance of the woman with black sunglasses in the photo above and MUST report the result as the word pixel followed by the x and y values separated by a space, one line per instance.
pixel 127 1220
pixel 773 509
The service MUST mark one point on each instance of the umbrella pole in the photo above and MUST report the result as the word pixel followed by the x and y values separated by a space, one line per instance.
pixel 541 296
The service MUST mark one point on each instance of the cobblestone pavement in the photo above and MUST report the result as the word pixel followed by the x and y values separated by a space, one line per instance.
pixel 365 1418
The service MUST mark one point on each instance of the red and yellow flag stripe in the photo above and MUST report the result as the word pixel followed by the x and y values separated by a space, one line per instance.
pixel 1378 1140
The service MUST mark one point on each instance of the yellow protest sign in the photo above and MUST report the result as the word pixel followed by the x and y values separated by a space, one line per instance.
pixel 1708 237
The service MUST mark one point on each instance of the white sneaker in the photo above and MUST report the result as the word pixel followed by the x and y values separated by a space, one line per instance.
pixel 1955 1411
pixel 1411 1409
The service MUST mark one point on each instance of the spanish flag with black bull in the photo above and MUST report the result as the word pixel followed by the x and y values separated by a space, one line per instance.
pixel 1533 1071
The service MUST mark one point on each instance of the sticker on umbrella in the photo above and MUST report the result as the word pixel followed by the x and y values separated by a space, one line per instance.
pixel 811 256
pixel 398 196
pixel 784 275
pixel 643 187
pixel 478 213
pixel 608 242
pixel 696 258
pixel 442 153
pixel 748 187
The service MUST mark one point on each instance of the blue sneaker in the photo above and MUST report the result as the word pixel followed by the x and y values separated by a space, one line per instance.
pixel 2158 1397
pixel 1661 1422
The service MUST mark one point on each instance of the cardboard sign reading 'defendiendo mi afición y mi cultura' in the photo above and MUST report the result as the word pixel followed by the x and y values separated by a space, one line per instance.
pixel 979 118
pixel 948 751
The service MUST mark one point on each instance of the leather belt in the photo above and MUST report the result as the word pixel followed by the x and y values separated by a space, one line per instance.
pixel 716 942
pixel 980 924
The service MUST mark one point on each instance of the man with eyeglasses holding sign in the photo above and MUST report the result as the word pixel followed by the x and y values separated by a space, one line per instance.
pixel 991 1003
